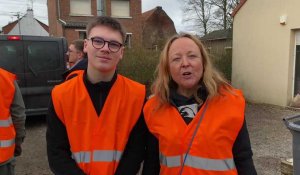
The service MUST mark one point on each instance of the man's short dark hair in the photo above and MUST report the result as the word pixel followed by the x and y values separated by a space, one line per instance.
pixel 107 22
pixel 79 46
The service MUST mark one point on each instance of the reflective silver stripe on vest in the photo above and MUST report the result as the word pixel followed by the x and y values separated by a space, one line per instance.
pixel 210 164
pixel 6 123
pixel 199 163
pixel 107 156
pixel 170 161
pixel 82 157
pixel 7 143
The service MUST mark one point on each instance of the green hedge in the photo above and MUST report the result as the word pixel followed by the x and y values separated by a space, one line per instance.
pixel 139 64
pixel 224 64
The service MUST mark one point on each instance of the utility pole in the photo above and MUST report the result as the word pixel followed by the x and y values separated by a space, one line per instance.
pixel 18 16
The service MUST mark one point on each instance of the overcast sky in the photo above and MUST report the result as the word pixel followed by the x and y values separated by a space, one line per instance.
pixel 10 8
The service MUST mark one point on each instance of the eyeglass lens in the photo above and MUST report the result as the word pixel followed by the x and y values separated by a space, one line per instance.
pixel 99 43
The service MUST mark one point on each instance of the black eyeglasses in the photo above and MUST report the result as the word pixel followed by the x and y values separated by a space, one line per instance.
pixel 99 43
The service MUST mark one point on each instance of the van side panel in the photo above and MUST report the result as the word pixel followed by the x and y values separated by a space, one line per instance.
pixel 43 61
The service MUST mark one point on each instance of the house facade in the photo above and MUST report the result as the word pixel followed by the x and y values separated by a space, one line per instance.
pixel 69 18
pixel 218 42
pixel 266 50
pixel 157 28
pixel 26 25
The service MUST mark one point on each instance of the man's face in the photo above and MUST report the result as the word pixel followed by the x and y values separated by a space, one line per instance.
pixel 103 59
pixel 74 54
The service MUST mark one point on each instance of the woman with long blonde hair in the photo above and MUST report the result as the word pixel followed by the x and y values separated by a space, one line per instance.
pixel 196 116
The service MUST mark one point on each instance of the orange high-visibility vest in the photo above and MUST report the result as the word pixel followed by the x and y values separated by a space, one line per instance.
pixel 7 130
pixel 211 150
pixel 97 142
pixel 73 74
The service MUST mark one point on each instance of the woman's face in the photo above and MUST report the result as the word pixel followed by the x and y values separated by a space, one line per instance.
pixel 186 67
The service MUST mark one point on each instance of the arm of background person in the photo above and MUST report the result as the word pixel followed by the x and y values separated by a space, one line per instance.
pixel 17 110
pixel 134 152
pixel 242 153
pixel 58 147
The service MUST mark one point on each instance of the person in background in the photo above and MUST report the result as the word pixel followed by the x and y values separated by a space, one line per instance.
pixel 76 58
pixel 12 122
pixel 95 121
pixel 196 117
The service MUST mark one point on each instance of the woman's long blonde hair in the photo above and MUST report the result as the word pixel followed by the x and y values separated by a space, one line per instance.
pixel 212 79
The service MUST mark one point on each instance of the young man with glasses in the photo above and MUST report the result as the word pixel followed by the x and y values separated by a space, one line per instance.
pixel 95 122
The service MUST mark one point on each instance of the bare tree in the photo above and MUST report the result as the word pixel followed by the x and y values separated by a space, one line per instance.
pixel 222 13
pixel 206 15
pixel 198 12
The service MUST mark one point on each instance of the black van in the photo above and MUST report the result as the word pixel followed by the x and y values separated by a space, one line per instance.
pixel 38 62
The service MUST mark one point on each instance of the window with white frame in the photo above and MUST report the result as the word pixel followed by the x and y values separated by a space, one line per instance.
pixel 120 8
pixel 80 7
pixel 82 34
pixel 128 40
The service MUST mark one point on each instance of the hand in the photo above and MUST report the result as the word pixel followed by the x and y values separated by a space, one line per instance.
pixel 18 150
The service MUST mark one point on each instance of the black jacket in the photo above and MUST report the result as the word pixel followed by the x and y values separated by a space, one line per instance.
pixel 81 65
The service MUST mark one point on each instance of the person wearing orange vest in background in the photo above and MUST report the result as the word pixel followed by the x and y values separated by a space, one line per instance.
pixel 95 121
pixel 196 117
pixel 12 122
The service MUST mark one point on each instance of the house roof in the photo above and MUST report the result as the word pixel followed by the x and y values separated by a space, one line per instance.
pixel 46 27
pixel 28 16
pixel 149 13
pixel 238 7
pixel 218 35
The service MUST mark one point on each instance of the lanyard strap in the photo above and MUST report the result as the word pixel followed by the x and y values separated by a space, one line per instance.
pixel 194 134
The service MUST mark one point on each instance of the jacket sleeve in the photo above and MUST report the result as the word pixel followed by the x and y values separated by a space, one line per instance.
pixel 17 110
pixel 242 153
pixel 58 147
pixel 134 152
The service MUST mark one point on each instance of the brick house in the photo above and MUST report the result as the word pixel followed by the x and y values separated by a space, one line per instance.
pixel 157 28
pixel 69 18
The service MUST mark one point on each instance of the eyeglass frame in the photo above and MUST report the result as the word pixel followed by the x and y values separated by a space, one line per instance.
pixel 106 41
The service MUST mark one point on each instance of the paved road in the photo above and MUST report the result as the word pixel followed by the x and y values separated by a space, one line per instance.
pixel 271 141
pixel 33 160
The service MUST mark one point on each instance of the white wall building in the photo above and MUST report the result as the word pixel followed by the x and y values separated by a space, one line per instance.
pixel 28 25
pixel 266 50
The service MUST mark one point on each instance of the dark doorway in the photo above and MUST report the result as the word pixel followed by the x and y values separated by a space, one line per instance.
pixel 297 71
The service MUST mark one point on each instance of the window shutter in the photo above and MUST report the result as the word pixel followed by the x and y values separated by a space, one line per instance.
pixel 80 7
pixel 120 9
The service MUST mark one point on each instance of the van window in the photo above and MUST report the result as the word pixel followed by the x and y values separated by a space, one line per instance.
pixel 43 56
pixel 11 56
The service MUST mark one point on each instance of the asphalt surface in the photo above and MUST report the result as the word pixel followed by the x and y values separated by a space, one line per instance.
pixel 271 141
